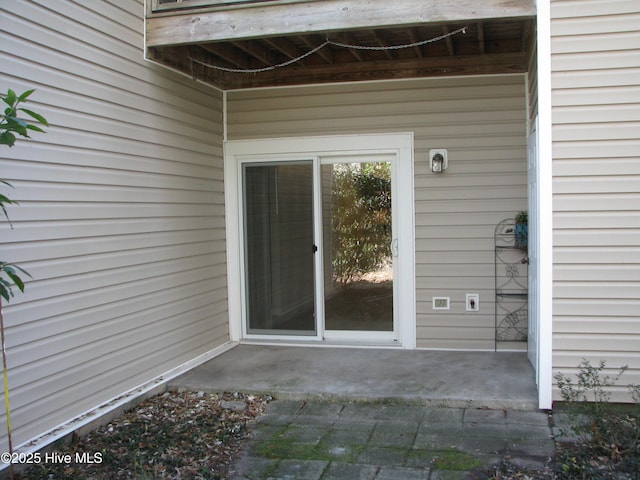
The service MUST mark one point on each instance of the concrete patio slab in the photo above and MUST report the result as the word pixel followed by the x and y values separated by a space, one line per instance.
pixel 434 378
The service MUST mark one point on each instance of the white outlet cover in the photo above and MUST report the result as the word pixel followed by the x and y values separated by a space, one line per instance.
pixel 441 303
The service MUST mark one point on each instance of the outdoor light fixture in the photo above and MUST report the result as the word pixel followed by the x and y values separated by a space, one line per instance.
pixel 438 160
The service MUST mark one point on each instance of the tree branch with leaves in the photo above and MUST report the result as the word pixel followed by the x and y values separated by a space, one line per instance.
pixel 13 125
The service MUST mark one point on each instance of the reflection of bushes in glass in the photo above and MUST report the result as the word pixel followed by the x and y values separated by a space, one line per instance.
pixel 361 224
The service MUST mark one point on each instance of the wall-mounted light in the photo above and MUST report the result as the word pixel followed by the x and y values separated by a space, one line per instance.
pixel 438 161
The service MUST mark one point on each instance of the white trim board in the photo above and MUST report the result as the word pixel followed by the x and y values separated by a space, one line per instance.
pixel 545 209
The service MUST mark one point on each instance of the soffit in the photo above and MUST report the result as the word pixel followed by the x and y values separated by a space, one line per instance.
pixel 487 46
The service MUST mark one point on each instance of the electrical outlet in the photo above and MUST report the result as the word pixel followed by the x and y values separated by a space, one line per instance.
pixel 441 303
pixel 473 302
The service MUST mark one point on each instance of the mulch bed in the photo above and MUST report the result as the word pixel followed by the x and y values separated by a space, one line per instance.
pixel 176 435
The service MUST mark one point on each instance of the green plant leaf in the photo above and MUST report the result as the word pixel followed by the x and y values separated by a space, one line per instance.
pixel 7 138
pixel 5 292
pixel 35 115
pixel 35 128
pixel 25 95
pixel 16 279
pixel 10 98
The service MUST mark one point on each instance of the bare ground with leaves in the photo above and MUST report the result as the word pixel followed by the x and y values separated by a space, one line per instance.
pixel 176 435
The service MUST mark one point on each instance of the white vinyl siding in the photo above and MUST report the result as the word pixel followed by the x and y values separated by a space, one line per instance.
pixel 482 123
pixel 121 216
pixel 596 167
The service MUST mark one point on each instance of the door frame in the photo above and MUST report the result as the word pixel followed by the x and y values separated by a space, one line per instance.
pixel 398 144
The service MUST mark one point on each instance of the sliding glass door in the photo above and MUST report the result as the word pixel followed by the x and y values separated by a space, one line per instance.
pixel 279 248
pixel 357 231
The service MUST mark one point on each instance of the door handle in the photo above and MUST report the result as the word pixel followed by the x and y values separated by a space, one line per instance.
pixel 394 247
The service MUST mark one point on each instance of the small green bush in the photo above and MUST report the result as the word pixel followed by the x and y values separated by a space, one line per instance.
pixel 608 435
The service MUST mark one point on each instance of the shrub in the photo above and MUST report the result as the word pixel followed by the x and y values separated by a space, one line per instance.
pixel 608 435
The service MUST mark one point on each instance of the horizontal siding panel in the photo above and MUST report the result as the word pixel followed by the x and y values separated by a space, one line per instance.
pixel 594 61
pixel 77 192
pixel 576 9
pixel 605 95
pixel 596 185
pixel 452 257
pixel 576 115
pixel 614 361
pixel 87 394
pixel 599 272
pixel 83 229
pixel 29 211
pixel 595 131
pixel 470 193
pixel 599 307
pixel 597 325
pixel 591 79
pixel 595 167
pixel 451 284
pixel 625 40
pixel 119 168
pixel 609 254
pixel 136 310
pixel 340 106
pixel 87 20
pixel 451 333
pixel 145 280
pixel 43 251
pixel 88 344
pixel 104 262
pixel 121 216
pixel 459 269
pixel 601 202
pixel 468 244
pixel 394 94
pixel 457 344
pixel 584 237
pixel 600 149
pixel 589 220
pixel 95 81
pixel 626 20
pixel 113 170
pixel 595 343
pixel 501 205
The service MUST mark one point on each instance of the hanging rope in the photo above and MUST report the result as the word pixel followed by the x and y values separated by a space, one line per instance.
pixel 321 46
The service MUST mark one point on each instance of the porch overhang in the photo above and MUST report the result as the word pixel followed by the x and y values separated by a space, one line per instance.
pixel 238 44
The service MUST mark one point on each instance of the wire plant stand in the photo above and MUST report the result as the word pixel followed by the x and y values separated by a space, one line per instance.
pixel 511 285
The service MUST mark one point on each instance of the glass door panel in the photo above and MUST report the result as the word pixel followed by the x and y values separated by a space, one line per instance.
pixel 279 249
pixel 357 236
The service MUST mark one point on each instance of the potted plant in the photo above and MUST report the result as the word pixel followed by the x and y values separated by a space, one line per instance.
pixel 522 230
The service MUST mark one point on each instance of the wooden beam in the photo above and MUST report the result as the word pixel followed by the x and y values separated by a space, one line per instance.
pixel 325 53
pixel 344 38
pixel 414 39
pixel 481 44
pixel 257 51
pixel 236 58
pixel 266 19
pixel 448 41
pixel 392 69
pixel 285 47
pixel 381 43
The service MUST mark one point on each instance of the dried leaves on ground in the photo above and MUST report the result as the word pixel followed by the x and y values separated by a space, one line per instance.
pixel 176 435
